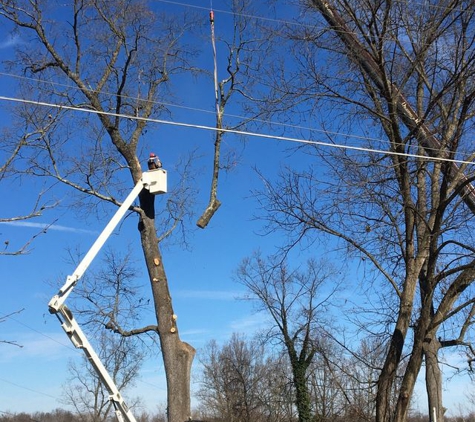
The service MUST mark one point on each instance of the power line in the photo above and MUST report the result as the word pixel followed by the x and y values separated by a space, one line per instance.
pixel 228 115
pixel 229 12
pixel 426 4
pixel 294 23
pixel 309 25
pixel 60 343
pixel 312 26
pixel 201 110
pixel 235 131
pixel 38 332
pixel 28 388
pixel 304 24
pixel 184 4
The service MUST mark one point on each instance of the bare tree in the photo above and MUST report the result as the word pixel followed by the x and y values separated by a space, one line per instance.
pixel 84 390
pixel 116 60
pixel 230 380
pixel 3 318
pixel 242 382
pixel 110 298
pixel 113 58
pixel 326 380
pixel 399 75
pixel 296 302
pixel 12 146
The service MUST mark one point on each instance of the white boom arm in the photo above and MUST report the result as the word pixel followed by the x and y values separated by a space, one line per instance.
pixel 156 182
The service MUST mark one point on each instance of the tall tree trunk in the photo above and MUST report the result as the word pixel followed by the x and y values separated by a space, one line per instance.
pixel 406 389
pixel 393 358
pixel 424 344
pixel 302 394
pixel 387 376
pixel 433 380
pixel 177 355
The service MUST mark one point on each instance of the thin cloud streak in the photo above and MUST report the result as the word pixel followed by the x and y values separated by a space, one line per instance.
pixel 11 41
pixel 251 323
pixel 40 346
pixel 44 226
pixel 210 294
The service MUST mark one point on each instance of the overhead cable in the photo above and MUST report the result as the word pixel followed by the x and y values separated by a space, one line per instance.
pixel 229 115
pixel 235 131
pixel 202 110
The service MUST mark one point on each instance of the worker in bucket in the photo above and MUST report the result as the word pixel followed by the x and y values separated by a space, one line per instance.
pixel 154 162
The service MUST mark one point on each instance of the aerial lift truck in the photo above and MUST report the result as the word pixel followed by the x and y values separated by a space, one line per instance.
pixel 155 181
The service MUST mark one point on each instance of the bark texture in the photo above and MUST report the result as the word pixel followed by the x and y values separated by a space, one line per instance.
pixel 177 355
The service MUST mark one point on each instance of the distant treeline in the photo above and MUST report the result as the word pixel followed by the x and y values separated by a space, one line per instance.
pixel 61 415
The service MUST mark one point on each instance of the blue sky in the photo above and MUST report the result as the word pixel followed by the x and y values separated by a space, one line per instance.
pixel 200 277
pixel 203 292
pixel 200 281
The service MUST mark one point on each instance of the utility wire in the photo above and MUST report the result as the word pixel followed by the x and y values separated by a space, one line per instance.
pixel 229 115
pixel 201 110
pixel 39 332
pixel 294 23
pixel 29 389
pixel 229 12
pixel 235 131
pixel 309 24
pixel 62 344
